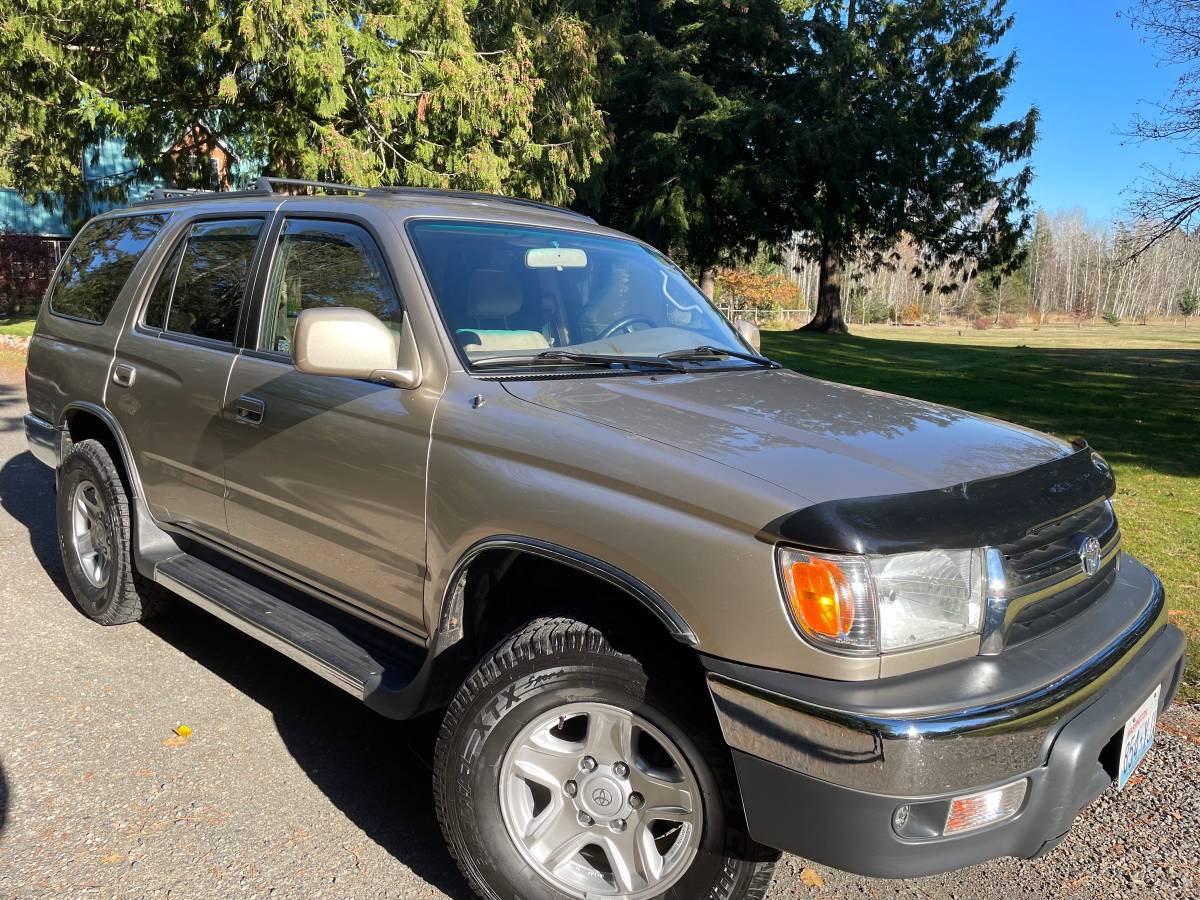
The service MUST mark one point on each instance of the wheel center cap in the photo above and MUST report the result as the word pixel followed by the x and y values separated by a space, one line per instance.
pixel 601 797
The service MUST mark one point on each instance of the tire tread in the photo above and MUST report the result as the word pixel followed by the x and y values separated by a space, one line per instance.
pixel 136 597
pixel 540 638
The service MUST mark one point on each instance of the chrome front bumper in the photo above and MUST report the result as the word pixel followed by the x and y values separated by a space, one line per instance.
pixel 43 439
pixel 962 745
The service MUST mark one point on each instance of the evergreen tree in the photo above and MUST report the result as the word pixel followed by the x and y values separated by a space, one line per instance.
pixel 492 95
pixel 894 134
pixel 1189 302
pixel 694 132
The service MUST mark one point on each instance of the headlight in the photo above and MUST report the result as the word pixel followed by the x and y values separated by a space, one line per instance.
pixel 884 603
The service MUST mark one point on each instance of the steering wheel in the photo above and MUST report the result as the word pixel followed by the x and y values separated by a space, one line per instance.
pixel 623 325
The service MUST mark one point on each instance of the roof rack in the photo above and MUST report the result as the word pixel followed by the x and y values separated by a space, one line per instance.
pixel 267 185
pixel 477 195
pixel 176 195
pixel 264 186
pixel 166 193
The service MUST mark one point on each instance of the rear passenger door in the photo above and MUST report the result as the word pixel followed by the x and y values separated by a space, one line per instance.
pixel 326 475
pixel 172 366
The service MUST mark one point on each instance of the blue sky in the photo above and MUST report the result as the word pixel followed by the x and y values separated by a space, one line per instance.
pixel 1089 72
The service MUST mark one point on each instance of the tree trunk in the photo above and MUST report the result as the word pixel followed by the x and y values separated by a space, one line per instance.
pixel 708 281
pixel 828 316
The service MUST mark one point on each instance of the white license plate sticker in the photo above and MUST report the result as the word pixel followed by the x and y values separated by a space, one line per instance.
pixel 1137 737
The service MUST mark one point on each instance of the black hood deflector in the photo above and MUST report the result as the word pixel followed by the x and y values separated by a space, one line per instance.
pixel 988 512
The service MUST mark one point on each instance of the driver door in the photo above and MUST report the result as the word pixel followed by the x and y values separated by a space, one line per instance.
pixel 325 475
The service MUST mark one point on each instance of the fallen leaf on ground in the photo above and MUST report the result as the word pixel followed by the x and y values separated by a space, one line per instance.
pixel 811 878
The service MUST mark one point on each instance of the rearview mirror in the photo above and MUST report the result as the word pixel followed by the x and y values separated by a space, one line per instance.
pixel 353 343
pixel 750 334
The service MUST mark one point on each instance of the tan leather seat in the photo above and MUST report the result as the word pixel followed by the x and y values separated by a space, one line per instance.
pixel 493 296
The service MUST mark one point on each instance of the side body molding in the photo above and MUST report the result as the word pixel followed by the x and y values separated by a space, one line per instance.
pixel 450 625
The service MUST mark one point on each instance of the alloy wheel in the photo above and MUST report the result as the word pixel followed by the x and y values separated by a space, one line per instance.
pixel 600 802
pixel 91 539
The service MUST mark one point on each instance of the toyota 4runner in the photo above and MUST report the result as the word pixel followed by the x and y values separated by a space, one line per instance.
pixel 681 608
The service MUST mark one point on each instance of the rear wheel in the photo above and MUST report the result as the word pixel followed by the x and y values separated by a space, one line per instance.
pixel 564 770
pixel 95 539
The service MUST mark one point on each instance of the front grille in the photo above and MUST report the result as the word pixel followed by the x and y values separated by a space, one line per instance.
pixel 1045 578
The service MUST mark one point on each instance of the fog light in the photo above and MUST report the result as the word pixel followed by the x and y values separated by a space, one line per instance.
pixel 985 808
pixel 900 818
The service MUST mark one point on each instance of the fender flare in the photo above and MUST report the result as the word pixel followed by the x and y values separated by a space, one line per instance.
pixel 118 434
pixel 450 624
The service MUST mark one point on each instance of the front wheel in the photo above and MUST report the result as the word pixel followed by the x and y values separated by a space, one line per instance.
pixel 563 770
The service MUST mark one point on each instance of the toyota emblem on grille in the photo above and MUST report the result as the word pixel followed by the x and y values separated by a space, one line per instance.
pixel 1089 556
pixel 601 797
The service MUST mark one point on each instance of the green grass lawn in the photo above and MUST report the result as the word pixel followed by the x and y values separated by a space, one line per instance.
pixel 21 326
pixel 1132 392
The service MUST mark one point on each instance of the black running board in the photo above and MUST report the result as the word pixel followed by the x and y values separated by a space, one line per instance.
pixel 362 661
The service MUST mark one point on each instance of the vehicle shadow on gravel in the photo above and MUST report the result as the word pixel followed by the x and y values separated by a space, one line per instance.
pixel 378 772
pixel 3 800
pixel 27 494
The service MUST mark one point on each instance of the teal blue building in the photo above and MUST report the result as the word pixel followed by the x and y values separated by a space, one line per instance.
pixel 106 166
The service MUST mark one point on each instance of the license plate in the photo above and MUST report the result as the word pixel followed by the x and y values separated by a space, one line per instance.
pixel 1137 737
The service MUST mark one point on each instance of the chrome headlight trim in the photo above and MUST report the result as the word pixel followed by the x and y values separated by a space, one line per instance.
pixel 872 599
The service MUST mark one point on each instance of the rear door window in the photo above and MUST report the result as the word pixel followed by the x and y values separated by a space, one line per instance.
pixel 98 265
pixel 200 289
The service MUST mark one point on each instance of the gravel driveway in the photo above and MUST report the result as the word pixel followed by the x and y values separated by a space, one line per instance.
pixel 287 788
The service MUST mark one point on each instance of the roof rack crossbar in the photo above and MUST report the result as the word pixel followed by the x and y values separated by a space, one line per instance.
pixel 187 195
pixel 168 193
pixel 268 184
pixel 478 195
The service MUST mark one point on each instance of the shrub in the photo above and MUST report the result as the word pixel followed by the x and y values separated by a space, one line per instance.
pixel 1112 319
pixel 982 323
pixel 26 264
pixel 1009 322
pixel 874 310
pixel 744 289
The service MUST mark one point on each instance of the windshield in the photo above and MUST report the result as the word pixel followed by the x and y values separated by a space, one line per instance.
pixel 513 292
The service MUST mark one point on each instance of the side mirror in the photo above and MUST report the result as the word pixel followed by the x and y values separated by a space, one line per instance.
pixel 353 343
pixel 750 334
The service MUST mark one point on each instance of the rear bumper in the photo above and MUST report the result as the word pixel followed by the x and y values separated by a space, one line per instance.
pixel 825 783
pixel 43 439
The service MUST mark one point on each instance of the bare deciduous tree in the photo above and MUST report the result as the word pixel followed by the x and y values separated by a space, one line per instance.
pixel 1166 198
pixel 1073 268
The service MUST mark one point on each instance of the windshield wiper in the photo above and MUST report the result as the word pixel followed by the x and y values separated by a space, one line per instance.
pixel 587 359
pixel 709 352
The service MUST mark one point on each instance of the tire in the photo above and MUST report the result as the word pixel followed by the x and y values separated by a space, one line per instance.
pixel 93 512
pixel 566 676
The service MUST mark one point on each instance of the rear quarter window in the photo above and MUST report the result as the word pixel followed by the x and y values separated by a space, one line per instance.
pixel 98 265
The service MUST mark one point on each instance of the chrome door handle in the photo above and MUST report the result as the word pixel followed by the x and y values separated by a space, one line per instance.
pixel 248 410
pixel 123 375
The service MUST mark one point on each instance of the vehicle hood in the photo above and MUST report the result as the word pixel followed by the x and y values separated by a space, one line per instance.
pixel 816 439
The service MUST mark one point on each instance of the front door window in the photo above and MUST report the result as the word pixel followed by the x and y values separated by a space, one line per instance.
pixel 322 264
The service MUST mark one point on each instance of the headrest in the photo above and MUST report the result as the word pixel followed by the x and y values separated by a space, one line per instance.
pixel 493 294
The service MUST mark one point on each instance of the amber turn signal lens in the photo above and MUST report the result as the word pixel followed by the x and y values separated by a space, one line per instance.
pixel 985 808
pixel 820 596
